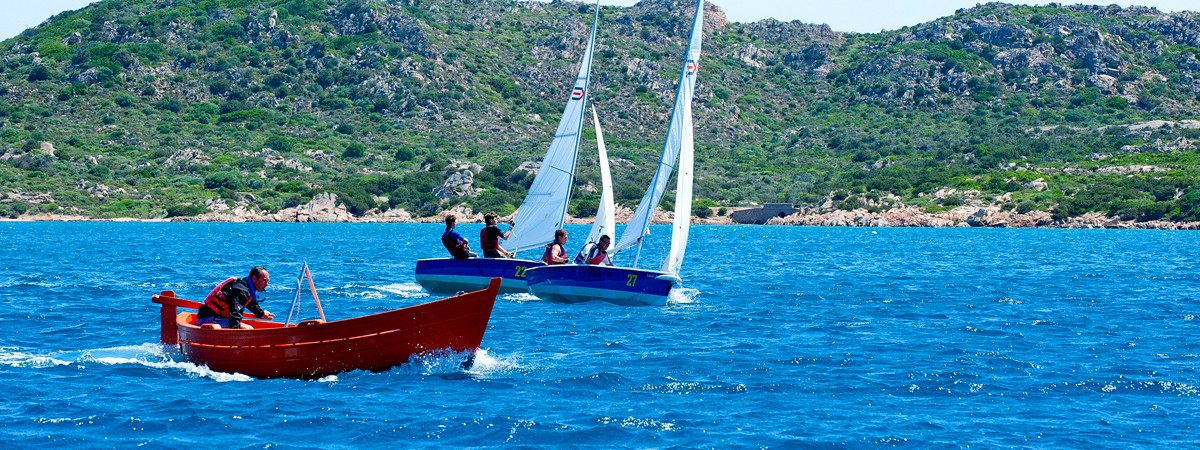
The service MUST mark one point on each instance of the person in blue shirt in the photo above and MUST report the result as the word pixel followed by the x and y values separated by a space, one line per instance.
pixel 454 242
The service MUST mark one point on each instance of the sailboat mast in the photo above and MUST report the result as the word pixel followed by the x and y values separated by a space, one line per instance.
pixel 638 256
pixel 562 217
pixel 545 206
pixel 638 226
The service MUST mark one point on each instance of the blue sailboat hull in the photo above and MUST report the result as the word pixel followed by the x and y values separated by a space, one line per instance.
pixel 449 275
pixel 582 283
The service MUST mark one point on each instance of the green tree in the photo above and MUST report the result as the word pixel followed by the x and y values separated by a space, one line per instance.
pixel 224 180
pixel 354 150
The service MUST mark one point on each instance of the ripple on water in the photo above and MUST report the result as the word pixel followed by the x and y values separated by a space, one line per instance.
pixel 909 337
pixel 694 387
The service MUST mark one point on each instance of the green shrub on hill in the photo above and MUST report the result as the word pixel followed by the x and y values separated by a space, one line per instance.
pixel 371 99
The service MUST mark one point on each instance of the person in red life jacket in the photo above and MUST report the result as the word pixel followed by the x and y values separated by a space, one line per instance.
pixel 555 252
pixel 599 254
pixel 226 304
pixel 454 242
pixel 490 236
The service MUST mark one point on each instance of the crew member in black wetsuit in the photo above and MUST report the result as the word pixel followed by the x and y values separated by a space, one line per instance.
pixel 490 236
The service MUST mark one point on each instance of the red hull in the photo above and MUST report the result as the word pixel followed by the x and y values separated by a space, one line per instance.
pixel 374 342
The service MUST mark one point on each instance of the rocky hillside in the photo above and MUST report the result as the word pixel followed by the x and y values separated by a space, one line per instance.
pixel 180 108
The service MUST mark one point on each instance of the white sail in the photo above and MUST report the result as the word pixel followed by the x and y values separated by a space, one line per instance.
pixel 605 214
pixel 545 205
pixel 683 197
pixel 638 224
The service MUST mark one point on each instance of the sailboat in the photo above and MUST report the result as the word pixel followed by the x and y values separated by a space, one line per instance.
pixel 543 211
pixel 633 285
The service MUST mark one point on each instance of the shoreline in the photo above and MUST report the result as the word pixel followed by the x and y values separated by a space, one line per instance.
pixel 963 216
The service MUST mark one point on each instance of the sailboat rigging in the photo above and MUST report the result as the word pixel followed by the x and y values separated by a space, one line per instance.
pixel 605 221
pixel 543 211
pixel 632 285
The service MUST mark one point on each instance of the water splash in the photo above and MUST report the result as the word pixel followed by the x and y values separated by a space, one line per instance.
pixel 683 296
pixel 521 297
pixel 150 355
pixel 406 290
pixel 166 358
pixel 451 364
pixel 486 365
pixel 12 358
pixel 369 295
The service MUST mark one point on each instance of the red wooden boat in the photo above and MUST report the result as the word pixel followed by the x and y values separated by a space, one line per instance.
pixel 315 348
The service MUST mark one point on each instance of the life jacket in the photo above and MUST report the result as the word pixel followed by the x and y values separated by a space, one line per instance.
pixel 216 298
pixel 454 246
pixel 583 253
pixel 489 241
pixel 596 256
pixel 548 257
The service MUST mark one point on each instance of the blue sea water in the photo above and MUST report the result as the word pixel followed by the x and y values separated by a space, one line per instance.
pixel 785 337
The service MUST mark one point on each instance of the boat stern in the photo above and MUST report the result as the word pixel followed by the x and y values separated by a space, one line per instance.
pixel 450 276
pixel 584 283
pixel 169 332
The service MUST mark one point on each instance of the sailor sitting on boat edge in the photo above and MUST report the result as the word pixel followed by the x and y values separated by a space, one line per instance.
pixel 556 253
pixel 454 242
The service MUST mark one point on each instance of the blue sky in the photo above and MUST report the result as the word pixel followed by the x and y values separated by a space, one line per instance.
pixel 867 16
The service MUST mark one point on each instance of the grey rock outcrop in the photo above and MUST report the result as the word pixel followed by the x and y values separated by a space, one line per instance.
pixel 323 208
pixel 458 184
pixel 217 210
pixel 187 157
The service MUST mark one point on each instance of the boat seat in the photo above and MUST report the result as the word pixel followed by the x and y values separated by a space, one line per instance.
pixel 305 323
pixel 211 326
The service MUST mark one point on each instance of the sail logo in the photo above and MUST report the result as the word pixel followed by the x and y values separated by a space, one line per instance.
pixel 692 67
pixel 577 93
